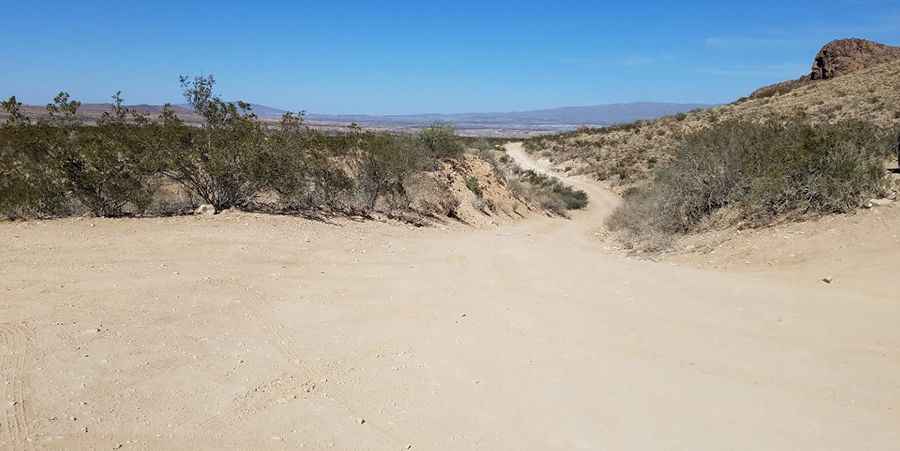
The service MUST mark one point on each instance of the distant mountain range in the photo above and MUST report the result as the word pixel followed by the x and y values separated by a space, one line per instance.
pixel 565 116
pixel 552 119
pixel 518 123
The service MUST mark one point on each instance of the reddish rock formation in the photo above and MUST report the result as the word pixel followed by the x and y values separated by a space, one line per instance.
pixel 849 55
pixel 836 58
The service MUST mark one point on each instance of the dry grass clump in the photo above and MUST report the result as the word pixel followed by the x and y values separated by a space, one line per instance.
pixel 757 173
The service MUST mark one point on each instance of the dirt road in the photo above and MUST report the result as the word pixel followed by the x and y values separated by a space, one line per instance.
pixel 253 332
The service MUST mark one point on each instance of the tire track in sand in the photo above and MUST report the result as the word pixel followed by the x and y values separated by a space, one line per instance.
pixel 15 419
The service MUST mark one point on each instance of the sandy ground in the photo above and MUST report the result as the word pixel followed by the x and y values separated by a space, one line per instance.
pixel 264 332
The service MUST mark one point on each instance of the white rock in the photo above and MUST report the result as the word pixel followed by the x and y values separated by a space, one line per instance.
pixel 205 210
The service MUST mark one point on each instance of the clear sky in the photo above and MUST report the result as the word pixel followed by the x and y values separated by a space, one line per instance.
pixel 406 56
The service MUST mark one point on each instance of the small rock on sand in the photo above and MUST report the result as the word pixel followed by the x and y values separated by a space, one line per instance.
pixel 205 210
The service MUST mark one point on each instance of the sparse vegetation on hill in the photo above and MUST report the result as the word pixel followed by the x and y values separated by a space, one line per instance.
pixel 749 173
pixel 794 150
pixel 625 156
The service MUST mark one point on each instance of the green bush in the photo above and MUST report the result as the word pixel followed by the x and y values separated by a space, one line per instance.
pixel 222 163
pixel 473 186
pixel 760 171
pixel 386 162
pixel 554 195
pixel 57 164
pixel 301 168
pixel 105 168
pixel 440 142
pixel 29 187
pixel 109 167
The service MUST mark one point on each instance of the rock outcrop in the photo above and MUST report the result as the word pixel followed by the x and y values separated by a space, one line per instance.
pixel 836 58
pixel 850 55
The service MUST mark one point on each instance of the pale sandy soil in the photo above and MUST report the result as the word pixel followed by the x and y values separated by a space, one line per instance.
pixel 261 332
pixel 858 252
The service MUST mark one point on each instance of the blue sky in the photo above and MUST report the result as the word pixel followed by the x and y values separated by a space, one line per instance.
pixel 415 57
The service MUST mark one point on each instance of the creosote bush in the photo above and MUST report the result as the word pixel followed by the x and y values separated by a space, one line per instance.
pixel 758 172
pixel 57 165
pixel 222 163
pixel 553 194
pixel 55 159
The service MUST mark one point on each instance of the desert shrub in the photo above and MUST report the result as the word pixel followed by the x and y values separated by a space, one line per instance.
pixel 105 168
pixel 473 185
pixel 553 194
pixel 762 172
pixel 28 185
pixel 440 141
pixel 31 183
pixel 223 162
pixel 110 167
pixel 127 163
pixel 303 167
pixel 386 162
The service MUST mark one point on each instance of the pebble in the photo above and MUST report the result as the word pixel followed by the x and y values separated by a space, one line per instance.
pixel 362 421
pixel 827 279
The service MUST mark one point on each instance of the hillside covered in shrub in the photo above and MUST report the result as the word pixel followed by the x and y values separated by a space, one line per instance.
pixel 820 147
pixel 626 155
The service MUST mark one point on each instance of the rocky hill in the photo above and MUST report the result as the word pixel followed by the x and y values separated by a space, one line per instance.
pixel 840 57
pixel 846 56
pixel 855 79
